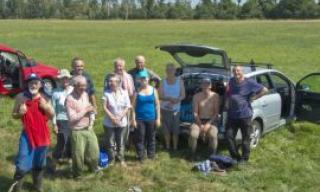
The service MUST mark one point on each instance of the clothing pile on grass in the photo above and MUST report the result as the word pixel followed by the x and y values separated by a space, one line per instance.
pixel 215 163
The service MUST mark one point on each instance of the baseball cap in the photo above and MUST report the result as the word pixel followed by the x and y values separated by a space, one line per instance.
pixel 143 74
pixel 32 77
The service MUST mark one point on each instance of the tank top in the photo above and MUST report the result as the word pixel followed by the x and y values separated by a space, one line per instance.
pixel 171 91
pixel 145 106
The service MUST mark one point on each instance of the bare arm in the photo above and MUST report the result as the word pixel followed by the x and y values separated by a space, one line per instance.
pixel 133 112
pixel 46 106
pixel 182 90
pixel 16 114
pixel 93 101
pixel 157 103
pixel 263 92
pixel 195 108
pixel 216 107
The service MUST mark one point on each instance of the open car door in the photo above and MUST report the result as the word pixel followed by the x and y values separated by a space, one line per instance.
pixel 308 98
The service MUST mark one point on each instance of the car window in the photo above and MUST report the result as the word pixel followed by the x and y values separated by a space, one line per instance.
pixel 213 60
pixel 9 59
pixel 310 84
pixel 264 80
pixel 279 81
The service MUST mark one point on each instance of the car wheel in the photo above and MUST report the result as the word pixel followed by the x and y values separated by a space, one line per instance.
pixel 48 86
pixel 256 134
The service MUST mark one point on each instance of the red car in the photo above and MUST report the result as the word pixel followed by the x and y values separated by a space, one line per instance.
pixel 15 67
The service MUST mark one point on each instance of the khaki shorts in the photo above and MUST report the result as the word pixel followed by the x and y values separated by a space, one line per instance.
pixel 170 121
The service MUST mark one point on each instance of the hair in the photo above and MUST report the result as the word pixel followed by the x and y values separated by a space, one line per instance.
pixel 112 75
pixel 140 56
pixel 75 59
pixel 170 65
pixel 79 79
pixel 119 59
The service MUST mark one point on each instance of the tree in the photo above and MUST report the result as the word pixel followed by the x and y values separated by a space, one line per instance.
pixel 251 9
pixel 268 8
pixel 205 10
pixel 15 8
pixel 297 9
pixel 226 10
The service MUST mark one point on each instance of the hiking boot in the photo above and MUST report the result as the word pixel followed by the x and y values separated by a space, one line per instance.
pixel 37 176
pixel 18 182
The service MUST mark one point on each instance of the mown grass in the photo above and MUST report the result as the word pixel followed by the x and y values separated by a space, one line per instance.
pixel 286 160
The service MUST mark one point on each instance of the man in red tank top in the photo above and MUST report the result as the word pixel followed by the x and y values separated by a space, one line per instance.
pixel 33 108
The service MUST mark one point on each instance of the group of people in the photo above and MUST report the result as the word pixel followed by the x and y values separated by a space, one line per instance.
pixel 132 108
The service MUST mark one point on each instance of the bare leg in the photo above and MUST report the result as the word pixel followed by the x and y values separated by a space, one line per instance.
pixel 213 138
pixel 193 138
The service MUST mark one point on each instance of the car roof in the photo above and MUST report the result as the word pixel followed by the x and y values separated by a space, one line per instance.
pixel 6 48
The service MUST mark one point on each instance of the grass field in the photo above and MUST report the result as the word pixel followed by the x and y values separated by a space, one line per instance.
pixel 286 160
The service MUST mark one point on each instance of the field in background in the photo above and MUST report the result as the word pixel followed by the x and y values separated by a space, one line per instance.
pixel 286 160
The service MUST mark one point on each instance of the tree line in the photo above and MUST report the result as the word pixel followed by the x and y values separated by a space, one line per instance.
pixel 160 9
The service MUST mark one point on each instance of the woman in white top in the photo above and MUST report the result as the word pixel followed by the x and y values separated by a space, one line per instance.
pixel 116 105
pixel 171 93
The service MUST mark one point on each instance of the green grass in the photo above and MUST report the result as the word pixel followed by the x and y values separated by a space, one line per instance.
pixel 286 160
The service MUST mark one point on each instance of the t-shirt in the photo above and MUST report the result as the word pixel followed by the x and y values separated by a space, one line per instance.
pixel 116 103
pixel 239 95
pixel 58 98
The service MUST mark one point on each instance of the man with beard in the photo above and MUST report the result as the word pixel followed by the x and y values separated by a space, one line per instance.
pixel 34 110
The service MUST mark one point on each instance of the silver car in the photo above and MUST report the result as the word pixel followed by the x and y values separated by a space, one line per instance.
pixel 286 101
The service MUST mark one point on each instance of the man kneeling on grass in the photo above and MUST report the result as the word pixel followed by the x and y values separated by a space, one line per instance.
pixel 205 112
pixel 34 109
pixel 84 142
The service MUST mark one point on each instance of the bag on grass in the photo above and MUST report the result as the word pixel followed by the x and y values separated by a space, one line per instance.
pixel 223 161
pixel 103 159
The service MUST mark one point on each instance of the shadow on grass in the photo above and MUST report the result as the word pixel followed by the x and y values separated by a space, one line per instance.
pixel 5 183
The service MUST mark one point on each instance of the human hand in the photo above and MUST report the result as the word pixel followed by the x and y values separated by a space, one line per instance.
pixel 55 129
pixel 90 109
pixel 158 122
pixel 23 109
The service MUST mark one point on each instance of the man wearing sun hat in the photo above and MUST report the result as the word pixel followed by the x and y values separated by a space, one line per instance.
pixel 33 109
pixel 60 119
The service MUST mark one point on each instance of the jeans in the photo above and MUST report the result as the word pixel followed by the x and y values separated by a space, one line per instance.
pixel 115 137
pixel 30 158
pixel 231 131
pixel 63 147
pixel 145 134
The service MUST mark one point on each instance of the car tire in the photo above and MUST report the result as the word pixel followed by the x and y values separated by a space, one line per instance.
pixel 255 134
pixel 48 86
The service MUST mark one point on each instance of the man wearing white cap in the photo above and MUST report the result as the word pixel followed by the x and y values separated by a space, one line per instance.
pixel 60 119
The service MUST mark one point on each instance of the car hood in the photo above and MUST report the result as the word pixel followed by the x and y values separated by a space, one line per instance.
pixel 190 49
pixel 44 71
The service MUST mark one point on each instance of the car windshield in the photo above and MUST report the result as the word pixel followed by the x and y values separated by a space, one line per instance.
pixel 208 59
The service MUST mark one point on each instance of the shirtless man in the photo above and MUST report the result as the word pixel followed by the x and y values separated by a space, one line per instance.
pixel 205 112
